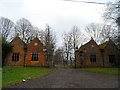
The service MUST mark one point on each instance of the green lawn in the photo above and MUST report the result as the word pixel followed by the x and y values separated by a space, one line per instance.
pixel 0 77
pixel 110 71
pixel 12 75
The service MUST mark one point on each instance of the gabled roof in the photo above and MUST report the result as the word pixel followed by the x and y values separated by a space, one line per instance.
pixel 83 46
pixel 18 39
pixel 36 38
pixel 103 45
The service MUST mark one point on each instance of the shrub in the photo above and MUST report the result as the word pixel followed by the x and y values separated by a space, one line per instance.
pixel 6 48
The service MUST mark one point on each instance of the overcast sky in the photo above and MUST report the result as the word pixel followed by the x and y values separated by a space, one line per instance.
pixel 59 14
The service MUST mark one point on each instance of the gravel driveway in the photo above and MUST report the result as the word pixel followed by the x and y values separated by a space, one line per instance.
pixel 71 78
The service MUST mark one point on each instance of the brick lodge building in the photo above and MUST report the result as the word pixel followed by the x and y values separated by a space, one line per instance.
pixel 22 54
pixel 93 55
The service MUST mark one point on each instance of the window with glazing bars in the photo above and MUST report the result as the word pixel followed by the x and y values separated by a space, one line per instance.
pixel 15 57
pixel 34 56
pixel 111 58
pixel 93 58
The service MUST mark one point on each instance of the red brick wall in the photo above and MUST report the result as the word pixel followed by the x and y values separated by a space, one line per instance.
pixel 90 48
pixel 38 48
pixel 17 46
pixel 111 49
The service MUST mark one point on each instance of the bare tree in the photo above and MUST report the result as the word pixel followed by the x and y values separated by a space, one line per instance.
pixel 59 56
pixel 75 36
pixel 37 32
pixel 6 26
pixel 67 41
pixel 112 15
pixel 100 32
pixel 112 11
pixel 107 32
pixel 71 40
pixel 94 30
pixel 50 43
pixel 25 29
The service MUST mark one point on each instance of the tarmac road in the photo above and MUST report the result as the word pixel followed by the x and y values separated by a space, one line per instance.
pixel 71 78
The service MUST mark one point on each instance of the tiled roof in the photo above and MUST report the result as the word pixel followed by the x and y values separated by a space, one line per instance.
pixel 103 45
pixel 83 46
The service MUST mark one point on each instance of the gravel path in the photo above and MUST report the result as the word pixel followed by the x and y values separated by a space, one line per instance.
pixel 71 78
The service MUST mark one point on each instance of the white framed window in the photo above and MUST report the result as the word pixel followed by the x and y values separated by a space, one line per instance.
pixel 15 57
pixel 34 56
pixel 93 58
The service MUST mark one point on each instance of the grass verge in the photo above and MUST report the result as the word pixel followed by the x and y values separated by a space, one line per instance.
pixel 0 78
pixel 110 71
pixel 11 75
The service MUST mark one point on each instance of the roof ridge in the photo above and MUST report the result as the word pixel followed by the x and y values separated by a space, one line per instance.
pixel 88 43
pixel 103 45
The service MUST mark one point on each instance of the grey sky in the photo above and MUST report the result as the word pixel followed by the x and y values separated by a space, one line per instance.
pixel 60 15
